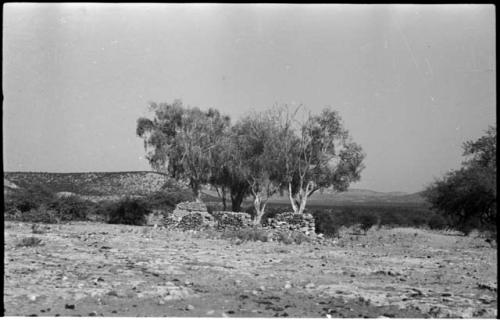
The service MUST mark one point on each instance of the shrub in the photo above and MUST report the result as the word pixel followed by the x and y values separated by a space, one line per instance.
pixel 29 242
pixel 367 221
pixel 71 208
pixel 284 237
pixel 168 198
pixel 437 222
pixel 127 211
pixel 270 212
pixel 36 229
pixel 29 198
pixel 39 215
pixel 299 237
pixel 326 223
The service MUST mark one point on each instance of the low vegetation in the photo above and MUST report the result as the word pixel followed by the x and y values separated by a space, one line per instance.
pixel 29 242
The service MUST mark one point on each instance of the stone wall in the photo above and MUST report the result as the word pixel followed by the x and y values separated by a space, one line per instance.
pixel 227 220
pixel 189 216
pixel 288 221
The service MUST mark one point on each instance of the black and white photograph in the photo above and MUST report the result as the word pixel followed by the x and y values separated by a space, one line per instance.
pixel 211 160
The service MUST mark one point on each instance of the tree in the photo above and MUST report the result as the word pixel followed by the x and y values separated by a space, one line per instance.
pixel 181 140
pixel 226 177
pixel 318 154
pixel 256 157
pixel 468 195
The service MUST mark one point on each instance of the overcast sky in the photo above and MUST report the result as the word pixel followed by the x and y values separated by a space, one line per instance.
pixel 412 82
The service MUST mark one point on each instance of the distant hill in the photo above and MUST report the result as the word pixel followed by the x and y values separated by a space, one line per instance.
pixel 105 185
pixel 354 196
pixel 100 184
pixel 363 195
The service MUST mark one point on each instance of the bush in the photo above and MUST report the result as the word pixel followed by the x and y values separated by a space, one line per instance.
pixel 29 242
pixel 71 208
pixel 270 212
pixel 437 222
pixel 326 223
pixel 299 237
pixel 168 198
pixel 284 237
pixel 39 215
pixel 367 221
pixel 29 198
pixel 127 211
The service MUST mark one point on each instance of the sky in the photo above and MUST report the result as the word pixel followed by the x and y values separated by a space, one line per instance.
pixel 411 82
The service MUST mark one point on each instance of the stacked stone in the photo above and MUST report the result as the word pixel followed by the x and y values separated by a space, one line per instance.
pixel 288 221
pixel 190 216
pixel 227 220
pixel 196 221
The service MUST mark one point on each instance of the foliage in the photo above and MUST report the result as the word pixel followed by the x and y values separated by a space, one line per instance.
pixel 70 208
pixel 167 199
pixel 183 141
pixel 437 222
pixel 468 195
pixel 127 211
pixel 329 220
pixel 367 221
pixel 29 242
pixel 256 156
pixel 318 154
pixel 29 198
pixel 38 215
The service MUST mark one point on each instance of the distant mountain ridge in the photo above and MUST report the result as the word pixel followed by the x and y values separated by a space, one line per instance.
pixel 141 183
pixel 364 195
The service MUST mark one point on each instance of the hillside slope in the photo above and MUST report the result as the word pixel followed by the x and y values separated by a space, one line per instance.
pixel 138 183
pixel 142 183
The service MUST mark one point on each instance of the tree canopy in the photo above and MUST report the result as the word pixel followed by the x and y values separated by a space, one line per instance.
pixel 262 154
pixel 468 195
pixel 182 141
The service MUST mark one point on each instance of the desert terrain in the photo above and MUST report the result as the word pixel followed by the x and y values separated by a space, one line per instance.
pixel 93 269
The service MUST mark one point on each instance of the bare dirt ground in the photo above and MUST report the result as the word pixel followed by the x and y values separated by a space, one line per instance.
pixel 91 269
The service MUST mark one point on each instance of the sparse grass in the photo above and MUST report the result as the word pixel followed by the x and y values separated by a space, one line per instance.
pixel 29 242
pixel 36 229
pixel 247 234
pixel 207 234
pixel 292 237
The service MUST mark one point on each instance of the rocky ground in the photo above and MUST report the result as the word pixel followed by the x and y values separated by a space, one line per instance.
pixel 91 269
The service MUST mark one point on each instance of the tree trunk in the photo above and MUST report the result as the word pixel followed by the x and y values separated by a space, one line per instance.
pixel 236 200
pixel 292 200
pixel 196 187
pixel 259 210
pixel 224 196
pixel 300 200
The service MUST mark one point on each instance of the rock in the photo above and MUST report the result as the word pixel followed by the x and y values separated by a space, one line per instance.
pixel 93 314
pixel 288 285
pixel 310 285
pixel 69 306
pixel 189 307
pixel 210 312
pixel 32 297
